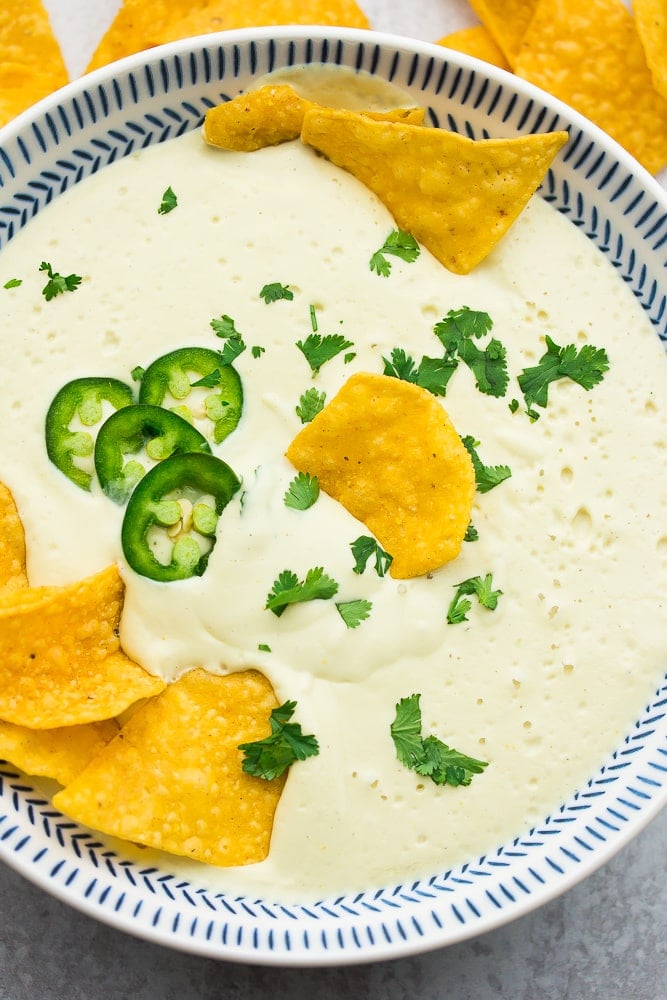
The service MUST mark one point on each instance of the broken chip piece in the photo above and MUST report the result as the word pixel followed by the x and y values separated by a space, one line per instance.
pixel 271 115
pixel 455 195
pixel 59 754
pixel 60 658
pixel 507 21
pixel 388 452
pixel 200 803
pixel 592 58
pixel 12 546
pixel 651 21
pixel 477 42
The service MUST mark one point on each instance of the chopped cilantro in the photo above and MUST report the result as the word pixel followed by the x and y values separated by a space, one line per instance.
pixel 263 647
pixel 354 613
pixel 303 492
pixel 513 405
pixel 429 757
pixel 472 534
pixel 586 367
pixel 350 356
pixel 270 757
pixel 58 284
pixel 317 350
pixel 432 374
pixel 275 291
pixel 310 404
pixel 398 244
pixel 210 381
pixel 486 476
pixel 481 588
pixel 13 283
pixel 137 373
pixel 225 328
pixel 456 333
pixel 168 203
pixel 313 318
pixel 287 589
pixel 363 548
pixel 257 351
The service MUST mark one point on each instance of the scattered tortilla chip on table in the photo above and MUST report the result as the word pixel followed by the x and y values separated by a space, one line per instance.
pixel 651 21
pixel 388 452
pixel 185 792
pixel 478 42
pixel 59 754
pixel 455 195
pixel 12 546
pixel 271 115
pixel 506 21
pixel 31 63
pixel 139 25
pixel 60 658
pixel 590 56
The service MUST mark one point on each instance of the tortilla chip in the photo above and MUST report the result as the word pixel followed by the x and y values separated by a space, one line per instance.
pixel 456 196
pixel 31 64
pixel 591 57
pixel 186 794
pixel 272 115
pixel 60 658
pixel 12 546
pixel 506 21
pixel 477 42
pixel 139 25
pixel 59 754
pixel 651 21
pixel 388 452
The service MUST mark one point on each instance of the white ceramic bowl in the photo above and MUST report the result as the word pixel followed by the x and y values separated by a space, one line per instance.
pixel 150 98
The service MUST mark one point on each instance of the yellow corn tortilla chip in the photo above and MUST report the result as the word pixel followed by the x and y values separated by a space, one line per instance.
pixel 388 452
pixel 31 64
pixel 651 21
pixel 139 25
pixel 60 658
pixel 186 794
pixel 12 545
pixel 271 115
pixel 506 21
pixel 477 42
pixel 456 196
pixel 591 57
pixel 59 754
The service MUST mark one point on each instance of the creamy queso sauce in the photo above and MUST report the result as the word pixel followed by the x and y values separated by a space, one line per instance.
pixel 544 687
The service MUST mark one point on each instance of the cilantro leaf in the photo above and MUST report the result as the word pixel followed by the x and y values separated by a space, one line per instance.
pixel 586 367
pixel 287 589
pixel 58 284
pixel 310 404
pixel 363 548
pixel 457 333
pixel 303 491
pixel 481 588
pixel 432 374
pixel 225 328
pixel 168 203
pixel 257 351
pixel 460 325
pixel 275 291
pixel 472 534
pixel 399 244
pixel 486 476
pixel 210 381
pixel 354 613
pixel 317 350
pixel 429 757
pixel 270 757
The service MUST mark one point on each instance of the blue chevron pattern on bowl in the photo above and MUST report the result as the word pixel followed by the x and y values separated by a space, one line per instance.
pixel 152 98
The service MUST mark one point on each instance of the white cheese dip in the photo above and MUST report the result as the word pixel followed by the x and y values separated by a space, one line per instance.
pixel 544 687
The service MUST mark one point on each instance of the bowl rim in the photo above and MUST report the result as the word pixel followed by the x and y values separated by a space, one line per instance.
pixel 658 798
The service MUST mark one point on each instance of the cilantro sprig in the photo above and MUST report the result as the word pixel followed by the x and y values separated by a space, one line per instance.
pixel 474 586
pixel 586 367
pixel 302 492
pixel 288 589
pixel 431 373
pixel 58 284
pixel 270 757
pixel 486 476
pixel 317 350
pixel 399 244
pixel 457 332
pixel 429 757
pixel 364 548
pixel 225 328
pixel 310 404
